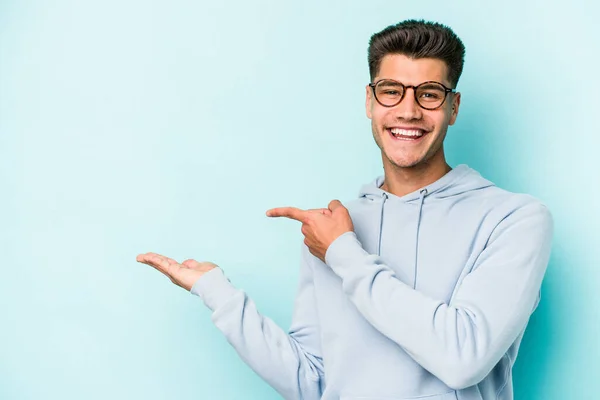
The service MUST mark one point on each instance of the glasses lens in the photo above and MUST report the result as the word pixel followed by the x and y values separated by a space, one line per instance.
pixel 389 93
pixel 430 95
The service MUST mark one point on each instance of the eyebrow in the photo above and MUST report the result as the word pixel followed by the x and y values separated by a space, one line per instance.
pixel 390 82
pixel 430 84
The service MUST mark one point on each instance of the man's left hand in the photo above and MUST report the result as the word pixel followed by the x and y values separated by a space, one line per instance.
pixel 320 227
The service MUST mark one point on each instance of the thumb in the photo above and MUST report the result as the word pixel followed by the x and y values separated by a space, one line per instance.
pixel 199 266
pixel 334 205
pixel 193 264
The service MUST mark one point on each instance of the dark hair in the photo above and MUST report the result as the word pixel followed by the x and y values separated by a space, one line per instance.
pixel 418 39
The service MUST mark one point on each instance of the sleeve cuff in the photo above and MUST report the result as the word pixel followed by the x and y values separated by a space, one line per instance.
pixel 214 288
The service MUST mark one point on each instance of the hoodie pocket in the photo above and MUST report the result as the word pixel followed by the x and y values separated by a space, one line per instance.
pixel 444 396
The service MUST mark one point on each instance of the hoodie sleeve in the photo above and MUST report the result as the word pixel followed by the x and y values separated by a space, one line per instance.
pixel 290 362
pixel 462 341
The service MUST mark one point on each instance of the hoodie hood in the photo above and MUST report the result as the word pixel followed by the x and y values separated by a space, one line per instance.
pixel 458 181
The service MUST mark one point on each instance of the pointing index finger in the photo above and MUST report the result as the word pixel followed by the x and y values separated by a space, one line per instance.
pixel 288 212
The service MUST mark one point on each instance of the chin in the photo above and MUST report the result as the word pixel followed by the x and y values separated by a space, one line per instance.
pixel 405 163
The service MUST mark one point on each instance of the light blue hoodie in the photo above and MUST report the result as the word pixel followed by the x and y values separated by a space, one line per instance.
pixel 427 299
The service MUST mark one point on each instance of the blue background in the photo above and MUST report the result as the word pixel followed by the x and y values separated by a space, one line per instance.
pixel 135 126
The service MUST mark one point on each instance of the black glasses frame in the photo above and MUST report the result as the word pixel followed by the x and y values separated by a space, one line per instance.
pixel 414 87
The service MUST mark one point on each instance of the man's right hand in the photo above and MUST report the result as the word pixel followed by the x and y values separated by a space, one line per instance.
pixel 183 275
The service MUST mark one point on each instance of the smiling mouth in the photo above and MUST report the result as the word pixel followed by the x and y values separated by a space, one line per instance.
pixel 406 134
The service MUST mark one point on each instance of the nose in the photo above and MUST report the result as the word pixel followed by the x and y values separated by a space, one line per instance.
pixel 408 109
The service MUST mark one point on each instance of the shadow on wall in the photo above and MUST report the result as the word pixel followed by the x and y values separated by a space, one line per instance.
pixel 550 364
pixel 486 138
pixel 536 356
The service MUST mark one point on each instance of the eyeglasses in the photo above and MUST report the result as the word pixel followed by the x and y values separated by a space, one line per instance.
pixel 429 95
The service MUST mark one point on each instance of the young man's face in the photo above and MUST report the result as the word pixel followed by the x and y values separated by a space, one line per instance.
pixel 404 149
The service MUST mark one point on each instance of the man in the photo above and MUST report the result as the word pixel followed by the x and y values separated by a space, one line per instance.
pixel 420 288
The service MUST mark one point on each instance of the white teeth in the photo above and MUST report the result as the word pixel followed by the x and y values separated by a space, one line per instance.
pixel 406 132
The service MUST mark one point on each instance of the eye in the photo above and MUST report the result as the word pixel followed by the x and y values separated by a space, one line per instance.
pixel 431 95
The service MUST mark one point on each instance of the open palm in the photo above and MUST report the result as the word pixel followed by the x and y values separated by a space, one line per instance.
pixel 183 275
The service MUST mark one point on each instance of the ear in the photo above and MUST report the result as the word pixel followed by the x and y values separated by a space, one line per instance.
pixel 369 101
pixel 455 106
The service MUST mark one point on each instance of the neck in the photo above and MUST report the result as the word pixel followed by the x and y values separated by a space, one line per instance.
pixel 402 181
